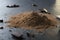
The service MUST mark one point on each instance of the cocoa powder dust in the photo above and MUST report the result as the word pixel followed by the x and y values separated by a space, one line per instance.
pixel 33 20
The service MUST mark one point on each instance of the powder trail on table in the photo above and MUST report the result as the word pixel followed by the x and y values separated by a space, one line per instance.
pixel 33 20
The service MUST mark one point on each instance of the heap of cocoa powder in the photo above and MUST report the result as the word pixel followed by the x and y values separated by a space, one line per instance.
pixel 33 20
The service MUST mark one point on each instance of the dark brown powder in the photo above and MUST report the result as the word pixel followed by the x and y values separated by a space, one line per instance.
pixel 33 20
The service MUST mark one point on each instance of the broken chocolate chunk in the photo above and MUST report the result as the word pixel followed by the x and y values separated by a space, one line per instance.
pixel 58 18
pixel 1 27
pixel 43 10
pixel 1 21
pixel 34 5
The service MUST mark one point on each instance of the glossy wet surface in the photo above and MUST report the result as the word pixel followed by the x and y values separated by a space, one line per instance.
pixel 26 5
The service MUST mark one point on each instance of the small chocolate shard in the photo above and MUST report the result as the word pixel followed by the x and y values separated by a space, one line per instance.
pixel 58 18
pixel 34 5
pixel 1 27
pixel 1 21
pixel 12 6
pixel 43 10
pixel 18 37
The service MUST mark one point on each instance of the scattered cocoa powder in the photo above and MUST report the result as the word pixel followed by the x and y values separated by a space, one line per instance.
pixel 33 20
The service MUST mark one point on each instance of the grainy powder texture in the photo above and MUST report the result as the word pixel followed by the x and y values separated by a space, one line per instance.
pixel 33 20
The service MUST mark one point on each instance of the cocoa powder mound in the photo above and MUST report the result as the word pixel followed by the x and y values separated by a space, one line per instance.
pixel 33 20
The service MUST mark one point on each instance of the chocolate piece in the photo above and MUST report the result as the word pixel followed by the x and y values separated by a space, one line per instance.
pixel 34 5
pixel 1 21
pixel 1 27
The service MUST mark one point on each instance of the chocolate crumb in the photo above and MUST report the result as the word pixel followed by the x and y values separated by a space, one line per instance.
pixel 1 27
